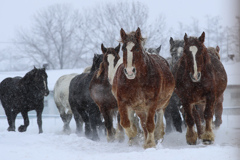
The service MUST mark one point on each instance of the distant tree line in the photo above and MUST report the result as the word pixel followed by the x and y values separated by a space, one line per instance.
pixel 63 37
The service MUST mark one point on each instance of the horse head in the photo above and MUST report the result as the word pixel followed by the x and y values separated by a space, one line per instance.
pixel 195 52
pixel 41 80
pixel 154 50
pixel 97 59
pixel 110 59
pixel 214 51
pixel 38 78
pixel 176 50
pixel 132 51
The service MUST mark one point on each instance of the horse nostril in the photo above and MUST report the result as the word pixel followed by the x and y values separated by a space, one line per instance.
pixel 134 70
pixel 199 75
pixel 125 71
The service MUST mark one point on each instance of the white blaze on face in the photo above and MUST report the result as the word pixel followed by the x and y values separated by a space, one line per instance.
pixel 111 69
pixel 129 57
pixel 179 50
pixel 194 50
pixel 110 59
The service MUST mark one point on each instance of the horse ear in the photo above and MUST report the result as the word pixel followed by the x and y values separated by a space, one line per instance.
pixel 218 49
pixel 34 67
pixel 185 37
pixel 104 50
pixel 117 48
pixel 123 34
pixel 159 49
pixel 202 37
pixel 171 41
pixel 138 33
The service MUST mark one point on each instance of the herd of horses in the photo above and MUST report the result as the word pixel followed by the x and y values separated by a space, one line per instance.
pixel 141 87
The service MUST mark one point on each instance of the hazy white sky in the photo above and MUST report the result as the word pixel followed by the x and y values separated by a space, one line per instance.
pixel 18 13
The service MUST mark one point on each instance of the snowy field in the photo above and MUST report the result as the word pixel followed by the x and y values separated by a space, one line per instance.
pixel 54 145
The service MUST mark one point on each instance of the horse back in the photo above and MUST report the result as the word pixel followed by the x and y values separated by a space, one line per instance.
pixel 167 80
pixel 9 88
pixel 220 74
pixel 61 91
pixel 79 88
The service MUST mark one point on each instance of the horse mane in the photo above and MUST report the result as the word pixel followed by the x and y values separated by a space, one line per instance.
pixel 101 69
pixel 131 37
pixel 28 78
pixel 97 59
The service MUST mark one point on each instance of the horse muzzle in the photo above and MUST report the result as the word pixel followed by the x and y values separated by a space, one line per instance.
pixel 130 73
pixel 46 93
pixel 196 78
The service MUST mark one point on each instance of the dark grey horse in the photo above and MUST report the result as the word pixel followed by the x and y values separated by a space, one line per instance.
pixel 20 95
pixel 172 115
pixel 82 104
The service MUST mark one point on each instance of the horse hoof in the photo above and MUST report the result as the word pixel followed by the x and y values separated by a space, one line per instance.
pixel 22 128
pixel 160 140
pixel 11 129
pixel 207 142
pixel 192 143
pixel 130 142
pixel 96 139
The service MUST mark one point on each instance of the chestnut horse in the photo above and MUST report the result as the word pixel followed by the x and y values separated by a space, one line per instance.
pixel 101 92
pixel 200 78
pixel 218 108
pixel 144 84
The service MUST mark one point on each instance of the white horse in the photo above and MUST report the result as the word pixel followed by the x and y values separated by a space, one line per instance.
pixel 61 93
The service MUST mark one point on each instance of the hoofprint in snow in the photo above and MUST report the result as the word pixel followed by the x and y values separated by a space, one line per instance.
pixel 54 145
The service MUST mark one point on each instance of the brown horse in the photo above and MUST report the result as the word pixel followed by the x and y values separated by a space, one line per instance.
pixel 144 84
pixel 200 78
pixel 101 93
pixel 218 108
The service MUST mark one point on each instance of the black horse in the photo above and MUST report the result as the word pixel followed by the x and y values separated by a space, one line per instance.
pixel 22 95
pixel 172 114
pixel 82 103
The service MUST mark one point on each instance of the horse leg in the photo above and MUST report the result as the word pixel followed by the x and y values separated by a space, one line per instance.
pixel 208 135
pixel 136 123
pixel 159 129
pixel 11 122
pixel 108 121
pixel 191 135
pixel 120 132
pixel 168 118
pixel 176 117
pixel 218 109
pixel 200 109
pixel 23 128
pixel 77 116
pixel 94 117
pixel 39 119
pixel 197 121
pixel 125 120
pixel 68 120
pixel 143 119
pixel 150 125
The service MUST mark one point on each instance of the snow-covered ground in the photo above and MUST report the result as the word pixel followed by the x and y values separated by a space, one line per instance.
pixel 54 145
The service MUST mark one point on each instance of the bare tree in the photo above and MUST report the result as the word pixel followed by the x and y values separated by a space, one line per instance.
pixel 52 38
pixel 105 21
pixel 236 37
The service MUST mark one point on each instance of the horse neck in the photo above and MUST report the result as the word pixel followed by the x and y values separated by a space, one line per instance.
pixel 142 63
